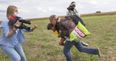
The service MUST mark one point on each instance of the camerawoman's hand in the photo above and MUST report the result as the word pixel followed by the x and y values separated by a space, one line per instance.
pixel 34 27
pixel 18 24
pixel 13 29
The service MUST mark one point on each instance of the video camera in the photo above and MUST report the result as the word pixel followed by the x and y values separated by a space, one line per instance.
pixel 24 22
pixel 14 19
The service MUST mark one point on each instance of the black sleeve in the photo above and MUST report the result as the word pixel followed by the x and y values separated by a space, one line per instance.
pixel 64 31
pixel 49 26
pixel 76 19
pixel 80 19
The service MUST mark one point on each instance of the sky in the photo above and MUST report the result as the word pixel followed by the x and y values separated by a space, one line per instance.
pixel 45 8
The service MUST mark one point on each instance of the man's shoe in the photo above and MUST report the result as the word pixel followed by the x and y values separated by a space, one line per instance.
pixel 99 52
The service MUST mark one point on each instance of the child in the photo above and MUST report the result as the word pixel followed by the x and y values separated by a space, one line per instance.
pixel 73 13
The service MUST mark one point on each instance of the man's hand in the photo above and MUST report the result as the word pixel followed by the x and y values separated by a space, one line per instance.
pixel 34 27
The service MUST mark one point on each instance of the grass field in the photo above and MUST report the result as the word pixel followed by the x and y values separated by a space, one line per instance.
pixel 42 45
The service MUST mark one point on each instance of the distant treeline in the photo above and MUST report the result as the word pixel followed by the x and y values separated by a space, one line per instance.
pixel 99 14
pixel 84 15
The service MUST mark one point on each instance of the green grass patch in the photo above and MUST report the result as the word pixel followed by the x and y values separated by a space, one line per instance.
pixel 42 45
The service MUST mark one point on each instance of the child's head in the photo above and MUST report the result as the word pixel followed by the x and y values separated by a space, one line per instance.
pixel 53 19
pixel 73 2
pixel 12 10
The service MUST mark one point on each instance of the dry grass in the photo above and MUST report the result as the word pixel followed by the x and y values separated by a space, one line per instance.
pixel 41 45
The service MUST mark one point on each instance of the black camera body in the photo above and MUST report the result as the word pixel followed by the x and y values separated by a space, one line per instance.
pixel 23 21
pixel 13 19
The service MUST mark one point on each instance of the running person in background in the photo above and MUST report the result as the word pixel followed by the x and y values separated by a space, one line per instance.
pixel 73 13
pixel 75 16
pixel 65 26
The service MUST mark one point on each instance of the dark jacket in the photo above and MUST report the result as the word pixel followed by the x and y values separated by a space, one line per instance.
pixel 64 27
pixel 76 19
